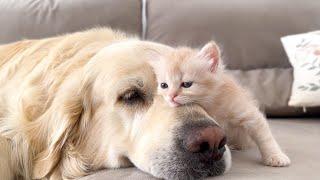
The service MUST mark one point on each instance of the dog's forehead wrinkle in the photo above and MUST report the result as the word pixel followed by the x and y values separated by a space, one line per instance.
pixel 139 82
pixel 136 81
pixel 130 83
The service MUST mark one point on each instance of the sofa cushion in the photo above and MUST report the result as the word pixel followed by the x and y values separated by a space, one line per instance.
pixel 43 18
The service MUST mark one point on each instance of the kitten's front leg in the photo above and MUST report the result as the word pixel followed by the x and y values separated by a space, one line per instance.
pixel 257 127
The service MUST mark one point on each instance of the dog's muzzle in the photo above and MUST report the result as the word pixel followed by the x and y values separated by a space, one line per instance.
pixel 199 150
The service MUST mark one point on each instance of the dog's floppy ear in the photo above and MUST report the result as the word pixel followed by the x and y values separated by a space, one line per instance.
pixel 57 123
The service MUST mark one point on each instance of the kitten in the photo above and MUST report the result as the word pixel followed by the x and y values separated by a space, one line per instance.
pixel 186 76
pixel 190 76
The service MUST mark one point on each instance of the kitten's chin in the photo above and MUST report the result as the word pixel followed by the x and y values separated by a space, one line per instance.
pixel 174 104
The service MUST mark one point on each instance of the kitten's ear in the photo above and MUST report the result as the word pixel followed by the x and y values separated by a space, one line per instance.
pixel 211 52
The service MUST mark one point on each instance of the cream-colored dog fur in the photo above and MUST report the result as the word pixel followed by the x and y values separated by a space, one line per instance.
pixel 64 112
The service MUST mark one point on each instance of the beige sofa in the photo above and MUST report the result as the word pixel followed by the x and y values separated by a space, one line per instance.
pixel 249 33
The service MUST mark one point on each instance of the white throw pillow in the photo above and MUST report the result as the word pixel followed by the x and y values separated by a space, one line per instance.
pixel 303 51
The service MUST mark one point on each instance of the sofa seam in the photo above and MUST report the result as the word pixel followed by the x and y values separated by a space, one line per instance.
pixel 144 18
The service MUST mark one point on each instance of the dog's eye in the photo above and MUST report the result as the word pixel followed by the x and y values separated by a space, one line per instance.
pixel 132 97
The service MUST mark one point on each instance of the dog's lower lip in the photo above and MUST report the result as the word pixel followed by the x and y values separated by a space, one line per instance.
pixel 217 156
pixel 222 150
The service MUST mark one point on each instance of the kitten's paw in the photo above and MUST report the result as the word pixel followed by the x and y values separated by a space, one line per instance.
pixel 277 160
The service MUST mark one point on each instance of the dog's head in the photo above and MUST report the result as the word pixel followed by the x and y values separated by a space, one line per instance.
pixel 108 115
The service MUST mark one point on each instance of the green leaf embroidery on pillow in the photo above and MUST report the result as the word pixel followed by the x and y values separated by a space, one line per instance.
pixel 310 87
pixel 309 62
pixel 314 88
pixel 303 88
pixel 312 66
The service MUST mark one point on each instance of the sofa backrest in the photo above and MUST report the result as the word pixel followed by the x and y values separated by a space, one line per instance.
pixel 249 31
pixel 20 19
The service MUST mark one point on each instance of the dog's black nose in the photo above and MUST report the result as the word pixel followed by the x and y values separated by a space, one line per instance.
pixel 206 140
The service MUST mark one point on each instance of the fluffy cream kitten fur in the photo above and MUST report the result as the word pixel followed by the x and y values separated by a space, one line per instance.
pixel 191 76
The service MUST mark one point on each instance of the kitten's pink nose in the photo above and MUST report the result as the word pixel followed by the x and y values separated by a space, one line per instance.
pixel 173 96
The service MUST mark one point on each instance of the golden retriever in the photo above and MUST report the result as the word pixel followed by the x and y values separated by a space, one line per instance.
pixel 74 104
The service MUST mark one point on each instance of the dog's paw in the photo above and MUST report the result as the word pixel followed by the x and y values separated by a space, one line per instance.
pixel 277 160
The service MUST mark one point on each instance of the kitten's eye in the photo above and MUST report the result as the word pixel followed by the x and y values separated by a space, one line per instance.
pixel 186 84
pixel 164 85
